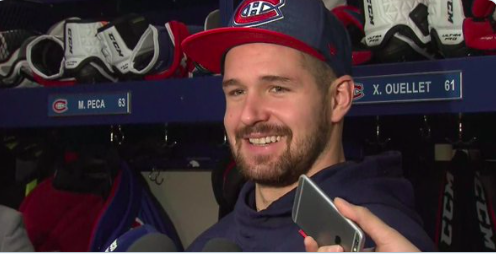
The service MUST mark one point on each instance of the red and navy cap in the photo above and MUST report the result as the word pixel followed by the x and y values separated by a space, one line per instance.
pixel 305 25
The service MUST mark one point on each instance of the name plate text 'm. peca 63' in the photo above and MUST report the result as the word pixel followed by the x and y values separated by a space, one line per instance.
pixel 112 103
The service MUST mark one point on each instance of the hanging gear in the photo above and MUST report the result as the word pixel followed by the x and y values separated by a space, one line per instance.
pixel 445 24
pixel 397 30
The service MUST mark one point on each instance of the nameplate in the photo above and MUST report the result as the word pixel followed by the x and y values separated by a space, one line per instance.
pixel 412 87
pixel 114 103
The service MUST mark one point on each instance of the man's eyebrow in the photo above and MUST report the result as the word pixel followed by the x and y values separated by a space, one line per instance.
pixel 268 78
pixel 229 82
pixel 273 78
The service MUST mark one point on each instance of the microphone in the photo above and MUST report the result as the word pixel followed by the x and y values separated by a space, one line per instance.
pixel 221 245
pixel 153 242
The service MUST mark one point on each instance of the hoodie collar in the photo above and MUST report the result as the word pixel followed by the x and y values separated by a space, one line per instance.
pixel 386 164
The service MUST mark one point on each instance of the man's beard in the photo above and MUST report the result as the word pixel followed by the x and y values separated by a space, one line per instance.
pixel 292 163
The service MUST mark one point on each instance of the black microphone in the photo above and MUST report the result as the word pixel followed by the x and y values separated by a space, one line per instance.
pixel 221 245
pixel 153 242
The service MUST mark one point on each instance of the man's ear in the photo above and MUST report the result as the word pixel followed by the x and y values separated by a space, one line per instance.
pixel 342 97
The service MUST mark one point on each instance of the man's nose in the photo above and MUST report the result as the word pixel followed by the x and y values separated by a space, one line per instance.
pixel 254 110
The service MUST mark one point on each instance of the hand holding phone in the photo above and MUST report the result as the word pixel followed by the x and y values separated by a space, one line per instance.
pixel 318 217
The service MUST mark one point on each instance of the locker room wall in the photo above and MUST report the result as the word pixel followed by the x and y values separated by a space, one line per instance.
pixel 188 199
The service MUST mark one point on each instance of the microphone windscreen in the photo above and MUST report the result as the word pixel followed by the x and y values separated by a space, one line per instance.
pixel 153 242
pixel 221 245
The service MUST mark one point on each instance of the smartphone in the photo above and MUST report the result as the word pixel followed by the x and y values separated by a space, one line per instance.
pixel 318 217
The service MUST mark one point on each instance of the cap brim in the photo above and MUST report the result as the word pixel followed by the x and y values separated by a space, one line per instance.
pixel 208 48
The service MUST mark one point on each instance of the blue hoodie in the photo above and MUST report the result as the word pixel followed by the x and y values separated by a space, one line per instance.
pixel 375 183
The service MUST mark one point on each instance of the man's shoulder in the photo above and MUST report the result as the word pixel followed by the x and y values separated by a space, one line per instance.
pixel 221 229
pixel 405 221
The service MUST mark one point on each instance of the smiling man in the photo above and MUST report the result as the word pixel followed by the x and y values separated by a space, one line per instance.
pixel 286 68
pixel 278 119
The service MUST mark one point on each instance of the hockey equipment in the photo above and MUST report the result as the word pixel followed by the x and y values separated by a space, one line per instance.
pixel 482 8
pixel 397 30
pixel 478 31
pixel 88 222
pixel 14 69
pixel 353 21
pixel 135 48
pixel 465 219
pixel 212 20
pixel 45 56
pixel 84 59
pixel 445 25
pixel 118 40
pixel 331 4
pixel 180 65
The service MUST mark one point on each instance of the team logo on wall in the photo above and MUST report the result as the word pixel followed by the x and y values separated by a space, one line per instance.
pixel 256 12
pixel 358 92
pixel 59 106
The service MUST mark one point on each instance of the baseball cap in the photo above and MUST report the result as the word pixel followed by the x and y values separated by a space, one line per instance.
pixel 305 25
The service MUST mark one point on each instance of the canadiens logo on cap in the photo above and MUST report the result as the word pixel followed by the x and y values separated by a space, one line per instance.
pixel 256 12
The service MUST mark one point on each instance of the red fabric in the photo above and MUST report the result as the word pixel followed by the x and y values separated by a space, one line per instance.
pixel 70 157
pixel 479 34
pixel 360 57
pixel 180 66
pixel 341 13
pixel 58 220
pixel 52 83
pixel 482 8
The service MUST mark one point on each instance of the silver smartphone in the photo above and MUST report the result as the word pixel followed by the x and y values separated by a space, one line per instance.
pixel 318 217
